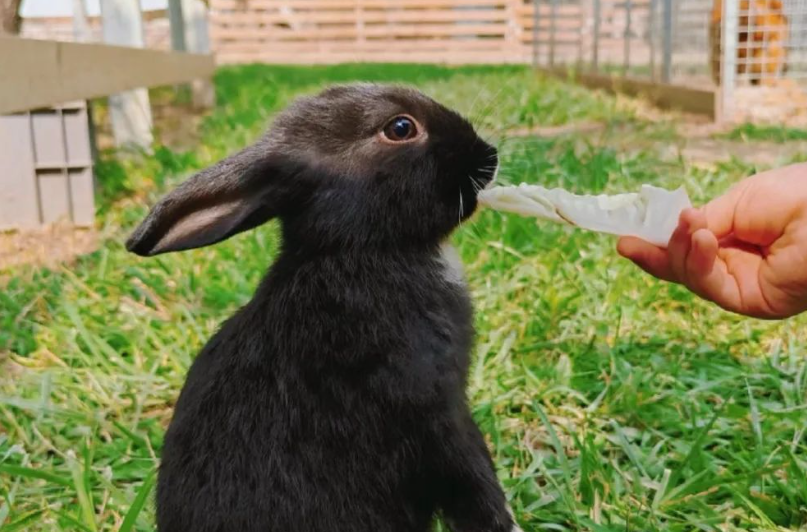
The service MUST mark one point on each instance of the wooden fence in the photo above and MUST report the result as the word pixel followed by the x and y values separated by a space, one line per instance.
pixel 156 29
pixel 431 31
pixel 444 31
pixel 45 150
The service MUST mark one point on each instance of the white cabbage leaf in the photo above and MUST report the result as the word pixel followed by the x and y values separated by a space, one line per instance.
pixel 650 214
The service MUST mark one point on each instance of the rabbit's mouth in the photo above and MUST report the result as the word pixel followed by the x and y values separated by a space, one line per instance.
pixel 487 170
pixel 495 177
pixel 481 173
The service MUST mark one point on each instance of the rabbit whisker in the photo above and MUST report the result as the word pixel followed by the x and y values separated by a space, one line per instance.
pixel 474 184
pixel 462 207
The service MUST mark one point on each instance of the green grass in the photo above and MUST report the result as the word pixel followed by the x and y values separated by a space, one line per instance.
pixel 612 402
pixel 753 132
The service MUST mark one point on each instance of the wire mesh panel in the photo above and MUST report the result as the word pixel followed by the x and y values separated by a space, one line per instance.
pixel 752 53
pixel 610 34
pixel 558 27
pixel 796 43
pixel 761 59
pixel 690 55
pixel 641 38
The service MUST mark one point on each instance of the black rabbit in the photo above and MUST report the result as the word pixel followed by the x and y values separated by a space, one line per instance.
pixel 334 401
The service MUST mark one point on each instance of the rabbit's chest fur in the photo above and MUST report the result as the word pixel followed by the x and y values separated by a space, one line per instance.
pixel 323 398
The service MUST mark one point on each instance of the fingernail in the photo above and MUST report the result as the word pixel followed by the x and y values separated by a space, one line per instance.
pixel 683 220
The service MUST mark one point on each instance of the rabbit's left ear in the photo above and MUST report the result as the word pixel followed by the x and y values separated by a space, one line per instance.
pixel 232 196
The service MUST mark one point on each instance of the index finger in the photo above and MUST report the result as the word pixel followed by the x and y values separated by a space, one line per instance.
pixel 721 211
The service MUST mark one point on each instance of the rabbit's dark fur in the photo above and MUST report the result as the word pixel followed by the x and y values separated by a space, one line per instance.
pixel 334 401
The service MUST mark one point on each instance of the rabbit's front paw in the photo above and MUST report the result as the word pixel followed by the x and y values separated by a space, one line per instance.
pixel 515 528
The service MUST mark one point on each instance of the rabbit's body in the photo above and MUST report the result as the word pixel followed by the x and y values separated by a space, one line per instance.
pixel 334 401
pixel 328 403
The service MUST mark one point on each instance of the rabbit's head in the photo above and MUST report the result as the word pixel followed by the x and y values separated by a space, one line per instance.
pixel 359 165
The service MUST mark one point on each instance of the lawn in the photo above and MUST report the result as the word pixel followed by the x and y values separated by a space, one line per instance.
pixel 611 402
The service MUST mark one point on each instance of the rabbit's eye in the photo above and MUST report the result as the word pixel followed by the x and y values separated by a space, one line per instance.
pixel 400 129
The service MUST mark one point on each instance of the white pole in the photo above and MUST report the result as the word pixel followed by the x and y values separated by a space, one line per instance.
pixel 130 112
pixel 628 29
pixel 197 41
pixel 553 14
pixel 536 21
pixel 652 27
pixel 81 28
pixel 667 42
pixel 595 44
pixel 177 21
pixel 728 68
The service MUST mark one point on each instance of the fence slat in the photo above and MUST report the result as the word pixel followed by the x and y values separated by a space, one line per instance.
pixel 320 5
pixel 350 32
pixel 368 16
pixel 442 31
pixel 72 71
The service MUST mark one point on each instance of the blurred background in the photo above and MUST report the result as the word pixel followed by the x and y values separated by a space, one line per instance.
pixel 738 61
pixel 674 41
pixel 610 401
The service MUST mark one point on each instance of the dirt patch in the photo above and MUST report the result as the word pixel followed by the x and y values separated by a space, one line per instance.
pixel 783 103
pixel 176 123
pixel 767 154
pixel 178 127
pixel 45 247
pixel 700 143
pixel 577 128
pixel 692 138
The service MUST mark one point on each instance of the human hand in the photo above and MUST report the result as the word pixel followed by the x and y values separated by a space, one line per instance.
pixel 746 251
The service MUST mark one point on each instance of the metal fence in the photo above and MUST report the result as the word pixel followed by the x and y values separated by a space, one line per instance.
pixel 763 59
pixel 752 53
pixel 641 38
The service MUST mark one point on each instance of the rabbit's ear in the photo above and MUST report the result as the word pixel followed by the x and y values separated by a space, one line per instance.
pixel 232 196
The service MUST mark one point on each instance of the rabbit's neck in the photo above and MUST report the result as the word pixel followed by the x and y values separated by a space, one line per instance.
pixel 452 264
pixel 438 260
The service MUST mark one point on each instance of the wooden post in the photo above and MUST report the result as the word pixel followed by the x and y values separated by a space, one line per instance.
pixel 628 29
pixel 595 44
pixel 512 36
pixel 197 41
pixel 177 22
pixel 81 28
pixel 728 74
pixel 82 33
pixel 553 15
pixel 130 112
pixel 536 21
pixel 652 26
pixel 667 44
pixel 581 38
pixel 358 12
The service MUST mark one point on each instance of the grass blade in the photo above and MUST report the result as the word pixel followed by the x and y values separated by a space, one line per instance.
pixel 83 495
pixel 138 504
pixel 23 522
pixel 27 472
